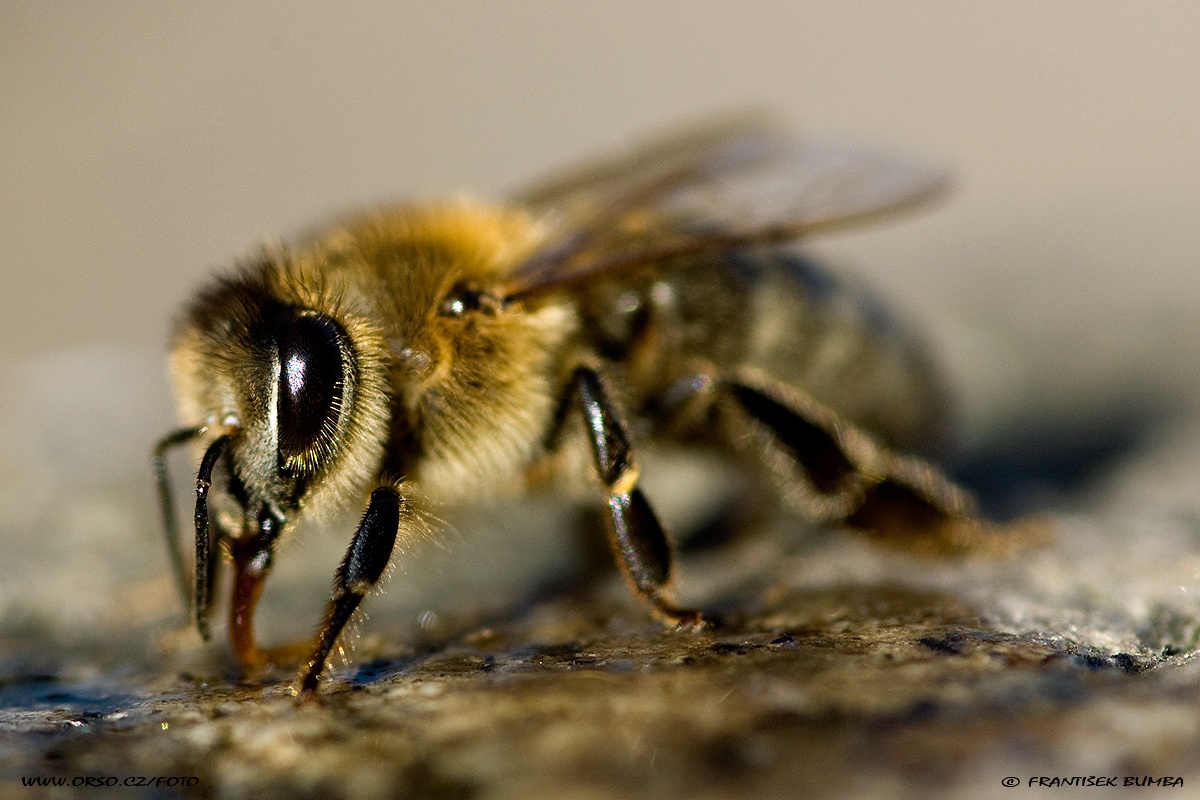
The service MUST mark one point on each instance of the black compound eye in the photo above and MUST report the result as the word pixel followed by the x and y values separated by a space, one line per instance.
pixel 311 382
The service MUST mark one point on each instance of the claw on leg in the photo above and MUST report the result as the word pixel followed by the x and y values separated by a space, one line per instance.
pixel 684 620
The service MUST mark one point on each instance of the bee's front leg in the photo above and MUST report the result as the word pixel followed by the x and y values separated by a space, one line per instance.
pixel 638 541
pixel 360 570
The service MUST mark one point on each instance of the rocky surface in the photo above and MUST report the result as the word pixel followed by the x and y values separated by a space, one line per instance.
pixel 500 665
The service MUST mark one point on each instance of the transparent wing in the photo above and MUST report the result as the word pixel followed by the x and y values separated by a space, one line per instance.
pixel 702 150
pixel 735 181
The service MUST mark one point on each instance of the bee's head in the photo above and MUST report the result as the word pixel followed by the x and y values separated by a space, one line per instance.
pixel 296 380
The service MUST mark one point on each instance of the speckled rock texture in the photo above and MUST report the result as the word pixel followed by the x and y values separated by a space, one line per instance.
pixel 503 664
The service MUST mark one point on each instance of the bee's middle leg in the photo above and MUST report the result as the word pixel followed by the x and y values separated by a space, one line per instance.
pixel 637 539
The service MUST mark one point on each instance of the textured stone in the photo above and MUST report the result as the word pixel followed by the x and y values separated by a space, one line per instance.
pixel 498 667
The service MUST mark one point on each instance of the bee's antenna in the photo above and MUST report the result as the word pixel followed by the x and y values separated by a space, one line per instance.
pixel 170 525
pixel 205 554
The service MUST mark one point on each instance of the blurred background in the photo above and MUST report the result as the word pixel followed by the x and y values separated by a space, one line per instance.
pixel 146 146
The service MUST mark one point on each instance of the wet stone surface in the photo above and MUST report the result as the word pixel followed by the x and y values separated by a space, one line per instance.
pixel 875 684
pixel 497 665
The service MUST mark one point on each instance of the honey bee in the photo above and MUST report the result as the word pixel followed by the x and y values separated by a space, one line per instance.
pixel 428 352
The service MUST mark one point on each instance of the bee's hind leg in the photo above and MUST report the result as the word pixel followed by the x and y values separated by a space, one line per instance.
pixel 639 544
pixel 830 470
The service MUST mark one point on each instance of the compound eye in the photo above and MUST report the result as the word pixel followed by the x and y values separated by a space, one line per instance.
pixel 311 383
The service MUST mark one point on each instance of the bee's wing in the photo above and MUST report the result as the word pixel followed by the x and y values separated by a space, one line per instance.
pixel 700 151
pixel 734 182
